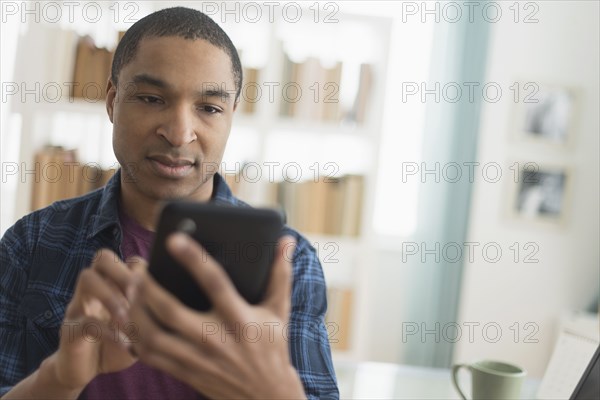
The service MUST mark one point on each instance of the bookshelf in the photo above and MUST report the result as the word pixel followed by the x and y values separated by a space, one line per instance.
pixel 337 140
pixel 316 141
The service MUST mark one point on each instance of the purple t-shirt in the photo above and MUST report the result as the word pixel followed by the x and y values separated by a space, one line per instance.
pixel 139 381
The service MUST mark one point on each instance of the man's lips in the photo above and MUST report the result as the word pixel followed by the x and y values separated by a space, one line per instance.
pixel 171 162
pixel 171 167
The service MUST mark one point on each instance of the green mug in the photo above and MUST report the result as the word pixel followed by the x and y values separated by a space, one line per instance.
pixel 491 380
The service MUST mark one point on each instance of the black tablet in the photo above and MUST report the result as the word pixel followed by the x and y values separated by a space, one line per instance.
pixel 242 239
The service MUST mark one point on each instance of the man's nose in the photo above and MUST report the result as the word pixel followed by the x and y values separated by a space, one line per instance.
pixel 178 127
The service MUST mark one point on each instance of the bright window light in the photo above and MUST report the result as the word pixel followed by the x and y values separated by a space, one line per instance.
pixel 396 202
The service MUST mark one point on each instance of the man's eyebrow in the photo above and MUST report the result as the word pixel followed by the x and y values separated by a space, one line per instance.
pixel 213 90
pixel 150 80
pixel 210 90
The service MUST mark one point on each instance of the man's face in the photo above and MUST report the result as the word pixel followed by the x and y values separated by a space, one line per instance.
pixel 171 116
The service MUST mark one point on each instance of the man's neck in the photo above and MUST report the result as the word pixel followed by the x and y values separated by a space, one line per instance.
pixel 141 209
pixel 145 210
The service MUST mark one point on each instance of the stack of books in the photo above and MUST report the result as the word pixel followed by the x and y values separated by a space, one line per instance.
pixel 91 71
pixel 312 92
pixel 58 176
pixel 329 206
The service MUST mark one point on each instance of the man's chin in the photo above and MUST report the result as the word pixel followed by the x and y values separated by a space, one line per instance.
pixel 178 190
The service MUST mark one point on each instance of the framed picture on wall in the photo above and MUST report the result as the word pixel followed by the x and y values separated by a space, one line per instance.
pixel 545 114
pixel 540 194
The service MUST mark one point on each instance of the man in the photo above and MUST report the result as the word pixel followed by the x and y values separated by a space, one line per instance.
pixel 122 335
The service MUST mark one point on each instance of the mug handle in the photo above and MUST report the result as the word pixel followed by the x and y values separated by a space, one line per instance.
pixel 455 369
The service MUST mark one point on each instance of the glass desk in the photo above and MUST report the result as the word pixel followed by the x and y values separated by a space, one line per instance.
pixel 393 381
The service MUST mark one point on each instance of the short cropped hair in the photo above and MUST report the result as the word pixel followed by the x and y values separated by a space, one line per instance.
pixel 182 22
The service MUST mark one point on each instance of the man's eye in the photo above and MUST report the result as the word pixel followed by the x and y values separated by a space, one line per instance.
pixel 149 99
pixel 210 109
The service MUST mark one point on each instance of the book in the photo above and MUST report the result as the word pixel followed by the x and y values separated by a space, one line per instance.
pixel 339 317
pixel 83 60
pixel 352 205
pixel 333 206
pixel 330 93
pixel 316 210
pixel 308 79
pixel 40 193
pixel 330 206
pixel 91 70
pixel 362 96
pixel 250 95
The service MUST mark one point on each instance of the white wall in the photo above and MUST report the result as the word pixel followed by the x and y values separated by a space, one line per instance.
pixel 562 48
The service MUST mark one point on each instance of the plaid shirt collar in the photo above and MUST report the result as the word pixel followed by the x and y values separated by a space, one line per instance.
pixel 108 214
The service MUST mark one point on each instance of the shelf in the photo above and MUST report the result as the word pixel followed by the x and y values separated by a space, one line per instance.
pixel 325 147
pixel 77 105
pixel 300 126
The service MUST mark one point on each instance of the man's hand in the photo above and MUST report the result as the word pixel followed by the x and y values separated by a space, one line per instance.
pixel 236 350
pixel 92 337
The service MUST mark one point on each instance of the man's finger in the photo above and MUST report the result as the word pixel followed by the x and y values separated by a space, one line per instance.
pixel 154 340
pixel 137 263
pixel 167 310
pixel 108 265
pixel 278 295
pixel 92 288
pixel 211 277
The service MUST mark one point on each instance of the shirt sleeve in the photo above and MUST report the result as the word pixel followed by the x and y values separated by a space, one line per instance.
pixel 308 340
pixel 13 280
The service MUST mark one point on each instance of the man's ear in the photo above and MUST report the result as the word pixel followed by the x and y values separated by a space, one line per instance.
pixel 111 95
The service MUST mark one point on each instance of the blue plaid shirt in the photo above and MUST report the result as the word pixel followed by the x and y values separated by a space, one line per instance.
pixel 44 252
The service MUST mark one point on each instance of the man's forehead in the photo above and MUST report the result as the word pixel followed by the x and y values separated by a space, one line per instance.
pixel 171 42
pixel 168 53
